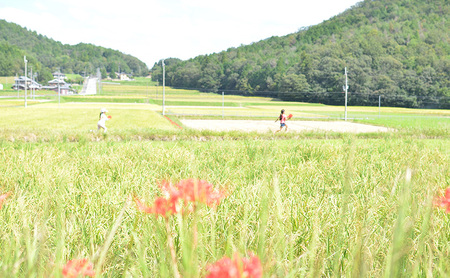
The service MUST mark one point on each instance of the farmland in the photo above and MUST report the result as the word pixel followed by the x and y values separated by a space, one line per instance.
pixel 306 204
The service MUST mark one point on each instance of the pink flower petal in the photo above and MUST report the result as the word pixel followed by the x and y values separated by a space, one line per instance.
pixel 75 268
pixel 3 198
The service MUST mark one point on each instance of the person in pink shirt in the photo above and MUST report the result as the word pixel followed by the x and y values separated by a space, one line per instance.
pixel 282 119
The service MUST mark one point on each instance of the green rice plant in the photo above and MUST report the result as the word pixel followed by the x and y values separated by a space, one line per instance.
pixel 345 207
pixel 427 125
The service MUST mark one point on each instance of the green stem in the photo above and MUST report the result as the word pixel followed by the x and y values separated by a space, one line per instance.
pixel 172 250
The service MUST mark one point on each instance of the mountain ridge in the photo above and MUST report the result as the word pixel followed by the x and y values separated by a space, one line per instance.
pixel 395 49
pixel 46 55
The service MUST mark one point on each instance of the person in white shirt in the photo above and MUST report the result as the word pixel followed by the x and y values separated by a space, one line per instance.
pixel 102 120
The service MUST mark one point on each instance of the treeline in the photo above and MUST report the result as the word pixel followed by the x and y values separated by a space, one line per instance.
pixel 397 49
pixel 46 55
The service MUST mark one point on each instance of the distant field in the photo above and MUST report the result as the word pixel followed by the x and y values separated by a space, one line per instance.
pixel 137 81
pixel 16 102
pixel 48 116
pixel 142 94
pixel 7 83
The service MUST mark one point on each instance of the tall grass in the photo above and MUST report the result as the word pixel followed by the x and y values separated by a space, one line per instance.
pixel 307 208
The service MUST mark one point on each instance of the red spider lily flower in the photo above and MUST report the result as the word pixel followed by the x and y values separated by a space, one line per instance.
pixel 3 198
pixel 199 191
pixel 162 206
pixel 252 267
pixel 444 202
pixel 79 267
pixel 168 189
pixel 223 268
pixel 215 197
pixel 236 268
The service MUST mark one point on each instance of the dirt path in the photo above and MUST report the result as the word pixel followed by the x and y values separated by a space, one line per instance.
pixel 271 126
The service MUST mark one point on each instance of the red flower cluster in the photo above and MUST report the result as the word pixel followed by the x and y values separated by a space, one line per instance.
pixel 3 198
pixel 236 268
pixel 200 191
pixel 79 267
pixel 162 206
pixel 189 190
pixel 444 201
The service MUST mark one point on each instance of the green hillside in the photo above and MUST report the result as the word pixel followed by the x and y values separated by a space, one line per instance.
pixel 398 50
pixel 46 55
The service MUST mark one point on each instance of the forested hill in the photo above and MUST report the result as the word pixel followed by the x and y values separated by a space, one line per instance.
pixel 46 55
pixel 396 49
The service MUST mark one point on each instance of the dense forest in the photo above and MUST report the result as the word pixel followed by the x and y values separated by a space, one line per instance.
pixel 397 50
pixel 46 55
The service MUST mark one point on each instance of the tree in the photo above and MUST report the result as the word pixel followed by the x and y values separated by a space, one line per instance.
pixel 293 83
pixel 50 54
pixel 45 75
pixel 397 49
pixel 103 73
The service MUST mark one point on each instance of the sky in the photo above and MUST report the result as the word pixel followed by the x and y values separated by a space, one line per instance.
pixel 152 30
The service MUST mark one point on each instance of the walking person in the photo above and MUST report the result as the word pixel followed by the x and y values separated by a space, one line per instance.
pixel 282 118
pixel 102 120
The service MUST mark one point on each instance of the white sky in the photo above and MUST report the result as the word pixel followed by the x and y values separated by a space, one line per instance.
pixel 154 29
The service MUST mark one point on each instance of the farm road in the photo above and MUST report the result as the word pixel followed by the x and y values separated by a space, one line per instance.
pixel 271 126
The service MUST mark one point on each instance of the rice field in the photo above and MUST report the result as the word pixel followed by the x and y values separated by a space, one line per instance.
pixel 305 208
pixel 312 204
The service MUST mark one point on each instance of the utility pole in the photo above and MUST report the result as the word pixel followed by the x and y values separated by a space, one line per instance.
pixel 346 89
pixel 99 80
pixel 379 106
pixel 31 87
pixel 36 74
pixel 164 87
pixel 26 82
pixel 59 95
pixel 17 84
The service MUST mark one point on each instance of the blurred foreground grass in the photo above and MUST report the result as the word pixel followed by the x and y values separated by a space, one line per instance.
pixel 307 208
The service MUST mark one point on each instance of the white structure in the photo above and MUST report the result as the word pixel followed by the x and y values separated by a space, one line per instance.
pixel 89 86
pixel 123 77
pixel 1 86
pixel 59 86
pixel 59 76
pixel 21 81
